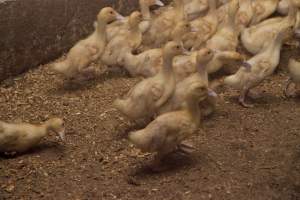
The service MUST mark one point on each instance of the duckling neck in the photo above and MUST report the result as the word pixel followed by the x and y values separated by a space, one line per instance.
pixel 202 72
pixel 192 106
pixel 179 8
pixel 145 11
pixel 212 5
pixel 101 30
pixel 167 65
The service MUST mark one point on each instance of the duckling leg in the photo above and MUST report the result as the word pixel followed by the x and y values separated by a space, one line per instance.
pixel 242 98
pixel 186 148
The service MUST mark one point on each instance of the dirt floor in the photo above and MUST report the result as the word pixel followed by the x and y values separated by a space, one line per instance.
pixel 241 153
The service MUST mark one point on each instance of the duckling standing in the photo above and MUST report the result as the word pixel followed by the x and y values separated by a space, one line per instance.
pixel 130 37
pixel 294 72
pixel 147 96
pixel 166 133
pixel 22 137
pixel 258 67
pixel 176 101
pixel 149 62
pixel 88 50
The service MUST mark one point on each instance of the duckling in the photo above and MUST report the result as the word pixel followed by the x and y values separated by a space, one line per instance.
pixel 226 37
pixel 162 26
pixel 254 37
pixel 186 65
pixel 206 26
pixel 257 68
pixel 18 138
pixel 244 14
pixel 145 10
pixel 131 37
pixel 165 134
pixel 195 8
pixel 115 27
pixel 87 50
pixel 149 62
pixel 143 100
pixel 294 72
pixel 181 91
pixel 263 9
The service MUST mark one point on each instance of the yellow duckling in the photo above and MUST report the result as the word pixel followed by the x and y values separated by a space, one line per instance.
pixel 162 26
pixel 294 72
pixel 244 14
pixel 186 65
pixel 130 37
pixel 254 37
pixel 149 62
pixel 195 8
pixel 147 96
pixel 256 69
pixel 263 9
pixel 165 134
pixel 206 27
pixel 23 136
pixel 114 28
pixel 181 91
pixel 88 50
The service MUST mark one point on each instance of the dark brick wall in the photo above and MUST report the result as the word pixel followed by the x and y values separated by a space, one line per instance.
pixel 33 32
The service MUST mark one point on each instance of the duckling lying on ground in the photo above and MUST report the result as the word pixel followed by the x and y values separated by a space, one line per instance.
pixel 258 67
pixel 143 100
pixel 294 72
pixel 22 137
pixel 165 134
pixel 76 64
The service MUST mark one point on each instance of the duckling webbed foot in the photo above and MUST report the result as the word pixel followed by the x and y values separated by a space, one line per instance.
pixel 242 100
pixel 186 148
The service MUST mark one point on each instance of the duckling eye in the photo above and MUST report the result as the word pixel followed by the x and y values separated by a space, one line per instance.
pixel 177 47
pixel 111 12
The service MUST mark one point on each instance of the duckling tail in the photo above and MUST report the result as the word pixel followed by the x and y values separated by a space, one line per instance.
pixel 61 67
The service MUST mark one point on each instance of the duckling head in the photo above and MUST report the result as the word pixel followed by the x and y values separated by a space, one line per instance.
pixel 135 19
pixel 180 29
pixel 198 91
pixel 173 49
pixel 56 125
pixel 108 15
pixel 204 55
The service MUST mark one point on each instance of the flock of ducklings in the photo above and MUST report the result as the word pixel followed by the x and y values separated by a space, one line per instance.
pixel 175 49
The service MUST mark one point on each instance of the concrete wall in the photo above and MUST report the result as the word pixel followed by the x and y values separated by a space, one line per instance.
pixel 33 32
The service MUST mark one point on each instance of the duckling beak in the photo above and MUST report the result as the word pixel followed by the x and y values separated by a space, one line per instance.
pixel 212 93
pixel 159 3
pixel 194 30
pixel 120 17
pixel 62 134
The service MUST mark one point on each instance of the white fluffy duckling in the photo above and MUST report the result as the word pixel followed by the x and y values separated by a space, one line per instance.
pixel 130 37
pixel 294 72
pixel 263 9
pixel 21 137
pixel 177 100
pixel 88 50
pixel 149 62
pixel 254 37
pixel 256 69
pixel 165 134
pixel 147 96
